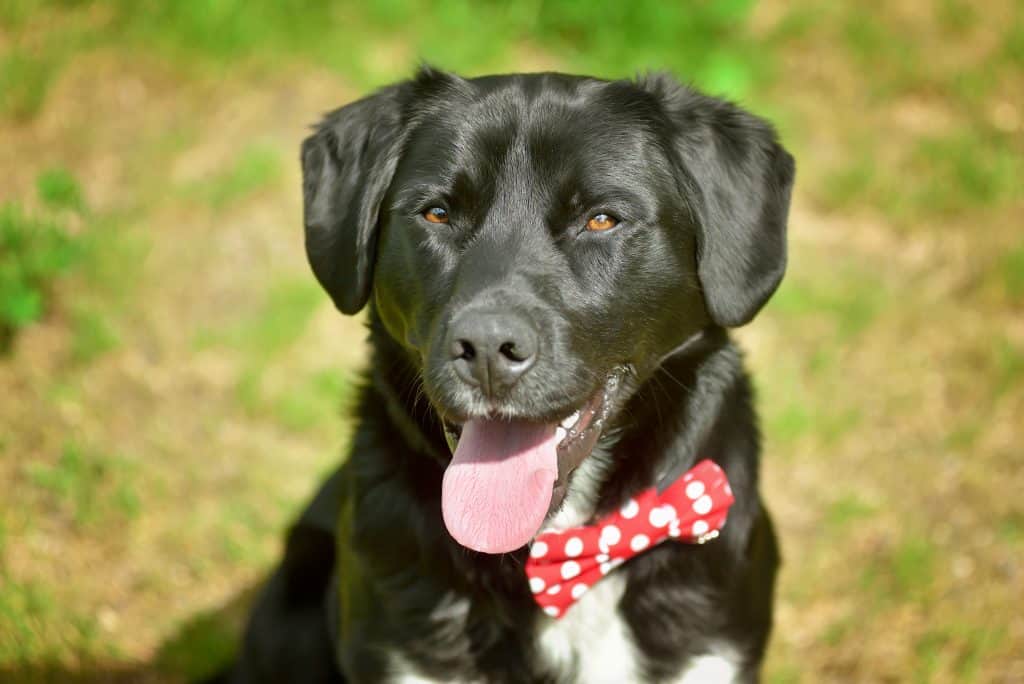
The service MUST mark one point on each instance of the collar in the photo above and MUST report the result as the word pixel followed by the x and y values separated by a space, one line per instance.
pixel 563 565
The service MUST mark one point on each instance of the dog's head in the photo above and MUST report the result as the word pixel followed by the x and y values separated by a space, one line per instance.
pixel 530 239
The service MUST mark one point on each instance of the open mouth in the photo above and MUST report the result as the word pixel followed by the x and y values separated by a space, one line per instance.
pixel 507 476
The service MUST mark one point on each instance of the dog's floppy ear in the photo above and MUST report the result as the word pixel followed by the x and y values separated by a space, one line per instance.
pixel 347 166
pixel 740 179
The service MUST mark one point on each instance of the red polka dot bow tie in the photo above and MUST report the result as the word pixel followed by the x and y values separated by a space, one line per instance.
pixel 564 565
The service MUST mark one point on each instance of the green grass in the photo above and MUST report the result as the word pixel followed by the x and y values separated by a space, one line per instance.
pixel 913 566
pixel 967 161
pixel 954 648
pixel 264 335
pixel 92 336
pixel 59 189
pixel 825 374
pixel 947 175
pixel 87 485
pixel 39 248
pixel 201 647
pixel 25 607
pixel 1011 271
pixel 1011 528
pixel 801 417
pixel 34 250
pixel 846 511
pixel 315 399
pixel 965 170
pixel 964 435
pixel 848 300
pixel 1007 370
pixel 707 42
pixel 254 169
pixel 24 84
pixel 272 327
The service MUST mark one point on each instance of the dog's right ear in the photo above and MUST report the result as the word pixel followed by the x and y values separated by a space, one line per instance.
pixel 740 180
pixel 347 166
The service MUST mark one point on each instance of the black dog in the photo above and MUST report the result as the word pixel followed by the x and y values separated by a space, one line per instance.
pixel 536 250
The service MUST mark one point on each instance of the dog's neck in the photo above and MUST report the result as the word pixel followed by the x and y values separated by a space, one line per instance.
pixel 669 422
pixel 682 397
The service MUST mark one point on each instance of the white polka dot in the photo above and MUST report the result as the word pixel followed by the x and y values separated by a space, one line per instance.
pixel 610 565
pixel 610 535
pixel 570 569
pixel 538 550
pixel 601 557
pixel 673 529
pixel 694 489
pixel 702 506
pixel 662 515
pixel 630 509
pixel 554 589
pixel 551 610
pixel 728 489
pixel 700 528
pixel 579 590
pixel 537 585
pixel 639 542
pixel 574 547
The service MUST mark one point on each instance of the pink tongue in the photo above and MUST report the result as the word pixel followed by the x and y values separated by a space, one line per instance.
pixel 497 489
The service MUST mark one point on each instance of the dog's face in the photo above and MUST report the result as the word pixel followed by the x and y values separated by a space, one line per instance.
pixel 532 240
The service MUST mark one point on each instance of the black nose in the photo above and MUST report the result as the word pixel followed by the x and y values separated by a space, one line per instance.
pixel 492 349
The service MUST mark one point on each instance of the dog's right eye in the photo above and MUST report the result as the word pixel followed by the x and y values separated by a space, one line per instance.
pixel 436 215
pixel 601 222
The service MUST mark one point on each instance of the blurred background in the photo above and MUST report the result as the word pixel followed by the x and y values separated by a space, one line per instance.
pixel 171 377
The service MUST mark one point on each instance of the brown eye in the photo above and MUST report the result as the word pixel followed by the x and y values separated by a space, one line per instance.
pixel 600 222
pixel 436 215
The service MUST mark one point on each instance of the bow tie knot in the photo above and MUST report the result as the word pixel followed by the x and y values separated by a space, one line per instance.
pixel 563 565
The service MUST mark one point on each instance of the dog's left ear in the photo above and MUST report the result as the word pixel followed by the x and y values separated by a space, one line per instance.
pixel 347 166
pixel 740 179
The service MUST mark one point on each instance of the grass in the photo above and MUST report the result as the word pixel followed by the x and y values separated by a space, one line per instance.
pixel 92 336
pixel 202 646
pixel 276 324
pixel 24 83
pixel 848 510
pixel 263 337
pixel 59 189
pixel 254 169
pixel 717 51
pixel 34 250
pixel 176 393
pixel 937 175
pixel 961 158
pixel 845 303
pixel 1011 271
pixel 86 485
pixel 1007 366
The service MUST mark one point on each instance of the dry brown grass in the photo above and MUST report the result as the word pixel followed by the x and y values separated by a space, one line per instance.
pixel 890 369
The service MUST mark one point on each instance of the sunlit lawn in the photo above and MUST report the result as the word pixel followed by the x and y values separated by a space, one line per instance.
pixel 172 380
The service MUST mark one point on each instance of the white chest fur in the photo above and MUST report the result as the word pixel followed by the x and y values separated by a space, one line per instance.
pixel 592 637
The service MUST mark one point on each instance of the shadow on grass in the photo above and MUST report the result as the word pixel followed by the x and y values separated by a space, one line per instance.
pixel 201 647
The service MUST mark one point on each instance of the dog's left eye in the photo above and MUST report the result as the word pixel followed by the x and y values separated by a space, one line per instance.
pixel 599 222
pixel 436 215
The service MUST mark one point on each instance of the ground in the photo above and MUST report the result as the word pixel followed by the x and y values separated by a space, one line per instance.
pixel 180 387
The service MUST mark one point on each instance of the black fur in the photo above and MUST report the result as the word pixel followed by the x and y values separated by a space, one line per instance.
pixel 520 162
